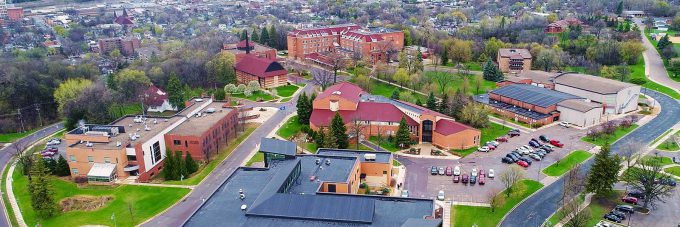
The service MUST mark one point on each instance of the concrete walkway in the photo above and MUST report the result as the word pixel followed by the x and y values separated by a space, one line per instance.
pixel 446 216
pixel 12 200
pixel 160 185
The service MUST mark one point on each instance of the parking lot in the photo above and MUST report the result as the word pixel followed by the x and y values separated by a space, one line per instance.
pixel 421 184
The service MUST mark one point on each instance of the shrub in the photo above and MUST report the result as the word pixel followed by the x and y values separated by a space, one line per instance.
pixel 80 179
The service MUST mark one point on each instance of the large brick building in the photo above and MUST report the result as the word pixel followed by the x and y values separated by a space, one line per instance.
pixel 136 146
pixel 381 116
pixel 15 14
pixel 126 45
pixel 268 73
pixel 247 47
pixel 349 39
pixel 513 60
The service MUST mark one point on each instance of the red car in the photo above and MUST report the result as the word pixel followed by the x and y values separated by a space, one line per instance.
pixel 465 178
pixel 456 179
pixel 556 143
pixel 491 147
pixel 449 171
pixel 523 164
pixel 481 172
pixel 481 180
pixel 502 139
pixel 631 200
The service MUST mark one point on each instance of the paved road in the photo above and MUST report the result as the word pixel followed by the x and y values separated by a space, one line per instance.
pixel 657 72
pixel 539 207
pixel 182 211
pixel 6 153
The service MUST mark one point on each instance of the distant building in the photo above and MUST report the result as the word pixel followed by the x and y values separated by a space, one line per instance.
pixel 633 13
pixel 126 45
pixel 268 73
pixel 561 25
pixel 156 100
pixel 513 60
pixel 124 20
pixel 349 39
pixel 15 14
pixel 243 48
pixel 381 116
pixel 145 53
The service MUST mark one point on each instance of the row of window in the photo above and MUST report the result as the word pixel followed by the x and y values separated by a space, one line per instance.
pixel 90 159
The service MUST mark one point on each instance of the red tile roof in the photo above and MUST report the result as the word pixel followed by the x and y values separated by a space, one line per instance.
pixel 366 111
pixel 337 29
pixel 123 20
pixel 260 67
pixel 346 90
pixel 154 96
pixel 447 127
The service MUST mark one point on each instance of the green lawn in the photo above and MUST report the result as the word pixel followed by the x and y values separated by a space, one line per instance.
pixel 145 201
pixel 456 82
pixel 472 66
pixel 511 120
pixel 661 160
pixel 620 132
pixel 290 128
pixel 669 144
pixel 286 99
pixel 600 206
pixel 675 170
pixel 197 177
pixel 5 199
pixel 566 163
pixel 396 163
pixel 255 97
pixel 489 133
pixel 383 143
pixel 385 89
pixel 286 91
pixel 311 147
pixel 556 217
pixel 361 147
pixel 11 137
pixel 120 110
pixel 482 216
pixel 258 157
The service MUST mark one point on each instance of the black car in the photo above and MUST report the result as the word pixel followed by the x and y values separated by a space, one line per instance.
pixel 534 139
pixel 513 158
pixel 434 170
pixel 526 160
pixel 513 133
pixel 618 214
pixel 625 209
pixel 676 160
pixel 544 138
pixel 636 194
pixel 507 160
pixel 668 181
pixel 516 154
pixel 473 179
pixel 612 217
pixel 547 148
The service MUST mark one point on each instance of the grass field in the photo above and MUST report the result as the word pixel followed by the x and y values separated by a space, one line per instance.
pixel 482 216
pixel 566 163
pixel 600 206
pixel 384 143
pixel 620 132
pixel 290 128
pixel 258 157
pixel 145 201
pixel 396 163
pixel 669 144
pixel 472 66
pixel 286 91
pixel 556 217
pixel 385 89
pixel 638 71
pixel 675 170
pixel 661 160
pixel 311 147
pixel 11 137
pixel 489 133
pixel 256 95
pixel 456 82
pixel 208 168
pixel 5 199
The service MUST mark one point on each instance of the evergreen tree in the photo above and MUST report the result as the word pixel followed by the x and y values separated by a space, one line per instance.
pixel 604 172
pixel 338 132
pixel 254 37
pixel 51 165
pixel 175 92
pixel 403 137
pixel 264 36
pixel 431 102
pixel 320 138
pixel 395 95
pixel 274 38
pixel 62 167
pixel 418 102
pixel 41 192
pixel 303 109
pixel 663 42
pixel 444 104
pixel 445 55
pixel 491 71
pixel 243 35
pixel 181 168
pixel 190 164
pixel 619 8
pixel 169 167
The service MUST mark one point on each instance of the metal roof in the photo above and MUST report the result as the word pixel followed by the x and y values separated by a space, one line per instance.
pixel 315 207
pixel 533 95
pixel 276 146
pixel 101 170
pixel 380 157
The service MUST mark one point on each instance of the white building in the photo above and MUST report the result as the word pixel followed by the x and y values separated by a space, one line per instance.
pixel 617 97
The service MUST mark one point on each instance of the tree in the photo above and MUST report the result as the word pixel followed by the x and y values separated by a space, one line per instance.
pixel 619 8
pixel 491 72
pixel 338 132
pixel 403 136
pixel 190 164
pixel 364 82
pixel 170 168
pixel 51 165
pixel 669 52
pixel 552 17
pixel 337 62
pixel 407 38
pixel 131 82
pixel 255 37
pixel 42 193
pixel 475 115
pixel 322 77
pixel 492 46
pixel 443 106
pixel 570 206
pixel 478 83
pixel 663 42
pixel 243 35
pixel 674 67
pixel 458 102
pixel 304 109
pixel 273 37
pixel 175 92
pixel 401 76
pixel 220 69
pixel 548 59
pixel 645 178
pixel 460 51
pixel 442 79
pixel 630 51
pixel 431 102
pixel 675 23
pixel 604 172
pixel 62 167
pixel 510 177
pixel 69 91
pixel 264 36
pixel 494 199
pixel 356 128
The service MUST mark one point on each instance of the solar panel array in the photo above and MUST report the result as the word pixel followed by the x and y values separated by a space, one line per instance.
pixel 533 95
pixel 518 110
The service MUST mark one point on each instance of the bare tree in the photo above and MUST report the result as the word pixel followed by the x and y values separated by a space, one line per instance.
pixel 322 77
pixel 356 128
pixel 630 150
pixel 570 210
pixel 493 198
pixel 511 176
pixel 649 179
pixel 24 157
pixel 337 62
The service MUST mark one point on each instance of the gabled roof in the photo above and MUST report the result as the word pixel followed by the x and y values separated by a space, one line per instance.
pixel 154 96
pixel 123 20
pixel 363 36
pixel 448 127
pixel 346 90
pixel 366 111
pixel 260 67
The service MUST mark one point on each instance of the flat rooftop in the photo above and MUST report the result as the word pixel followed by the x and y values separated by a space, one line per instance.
pixel 209 115
pixel 380 157
pixel 144 130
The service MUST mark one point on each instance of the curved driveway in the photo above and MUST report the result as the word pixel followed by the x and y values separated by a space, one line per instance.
pixel 653 63
pixel 535 210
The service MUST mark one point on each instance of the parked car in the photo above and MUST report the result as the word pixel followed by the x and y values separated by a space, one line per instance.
pixel 449 171
pixel 625 208
pixel 491 147
pixel 456 171
pixel 512 158
pixel 535 157
pixel 516 153
pixel 474 172
pixel 522 151
pixel 506 160
pixel 636 194
pixel 540 153
pixel 547 147
pixel 491 174
pixel 502 139
pixel 603 224
pixel 456 179
pixel 668 181
pixel 481 180
pixel 483 149
pixel 534 144
pixel 556 143
pixel 473 179
pixel 441 171
pixel 494 143
pixel 528 161
pixel 434 170
pixel 513 133
pixel 440 195
pixel 404 193
pixel 465 178
pixel 54 141
pixel 618 214
pixel 676 160
pixel 543 138
pixel 612 217
pixel 481 172
pixel 631 200
pixel 522 164
pixel 528 148
pixel 565 124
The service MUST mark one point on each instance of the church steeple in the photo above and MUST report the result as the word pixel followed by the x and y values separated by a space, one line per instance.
pixel 125 12
pixel 114 14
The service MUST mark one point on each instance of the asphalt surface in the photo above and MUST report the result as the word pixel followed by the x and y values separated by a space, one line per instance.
pixel 536 209
pixel 8 152
pixel 183 210
pixel 654 63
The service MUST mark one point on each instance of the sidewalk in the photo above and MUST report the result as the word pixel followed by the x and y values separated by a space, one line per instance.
pixel 446 216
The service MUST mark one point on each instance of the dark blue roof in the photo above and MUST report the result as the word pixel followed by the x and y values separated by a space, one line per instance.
pixel 277 146
pixel 380 157
pixel 316 207
pixel 534 95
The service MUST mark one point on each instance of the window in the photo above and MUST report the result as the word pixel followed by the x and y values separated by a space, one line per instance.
pixel 384 172
pixel 90 159
pixel 177 142
pixel 132 158
pixel 156 152
pixel 107 160
pixel 73 158
pixel 75 171
pixel 186 143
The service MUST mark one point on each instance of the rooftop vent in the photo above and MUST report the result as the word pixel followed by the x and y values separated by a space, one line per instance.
pixel 155 121
pixel 210 110
pixel 337 93
pixel 147 128
pixel 318 161
pixel 244 207
pixel 118 144
pixel 241 195
pixel 328 161
pixel 88 144
pixel 312 178
pixel 369 157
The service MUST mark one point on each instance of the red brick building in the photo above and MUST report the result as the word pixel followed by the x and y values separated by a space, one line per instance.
pixel 561 25
pixel 15 14
pixel 243 48
pixel 126 45
pixel 268 73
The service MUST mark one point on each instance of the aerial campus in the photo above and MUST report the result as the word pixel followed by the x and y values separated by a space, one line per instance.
pixel 340 113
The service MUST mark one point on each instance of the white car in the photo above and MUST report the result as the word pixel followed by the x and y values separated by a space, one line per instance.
pixel 493 143
pixel 483 149
pixel 603 224
pixel 456 171
pixel 564 124
pixel 440 195
pixel 474 172
pixel 491 173
pixel 55 141
pixel 404 193
pixel 522 150
pixel 527 148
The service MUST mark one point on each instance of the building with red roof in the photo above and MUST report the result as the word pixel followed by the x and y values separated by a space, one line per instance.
pixel 243 48
pixel 157 100
pixel 562 25
pixel 15 14
pixel 381 116
pixel 267 72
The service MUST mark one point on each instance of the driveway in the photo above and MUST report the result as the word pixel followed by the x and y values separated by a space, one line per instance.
pixel 536 209
pixel 653 62
pixel 421 184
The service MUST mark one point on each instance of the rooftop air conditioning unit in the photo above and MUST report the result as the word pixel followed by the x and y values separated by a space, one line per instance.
pixel 118 144
pixel 369 157
pixel 146 128
pixel 318 161
pixel 198 100
pixel 88 144
pixel 328 161
pixel 244 207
